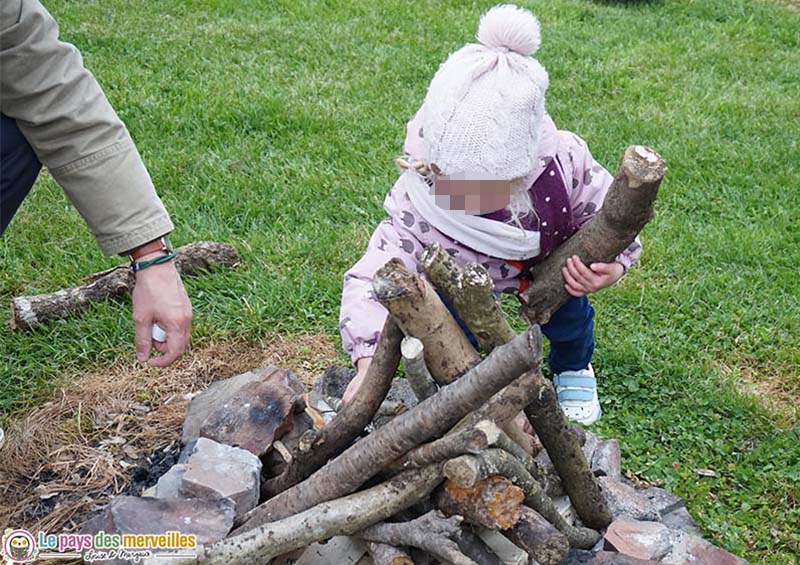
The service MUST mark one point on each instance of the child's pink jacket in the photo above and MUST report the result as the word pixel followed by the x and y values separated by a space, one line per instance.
pixel 405 233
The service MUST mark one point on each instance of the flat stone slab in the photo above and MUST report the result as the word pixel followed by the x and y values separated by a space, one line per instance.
pixel 344 550
pixel 250 410
pixel 624 500
pixel 582 557
pixel 606 460
pixel 688 548
pixel 209 520
pixel 214 470
pixel 643 540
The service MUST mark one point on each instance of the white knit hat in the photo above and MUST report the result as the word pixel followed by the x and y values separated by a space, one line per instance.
pixel 484 108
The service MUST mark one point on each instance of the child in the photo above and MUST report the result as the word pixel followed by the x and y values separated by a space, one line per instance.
pixel 489 177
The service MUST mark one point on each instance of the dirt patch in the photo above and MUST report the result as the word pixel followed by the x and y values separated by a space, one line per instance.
pixel 109 431
pixel 771 386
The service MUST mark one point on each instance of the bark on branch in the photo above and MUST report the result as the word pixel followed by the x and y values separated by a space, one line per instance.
pixel 28 312
pixel 626 209
pixel 343 516
pixel 352 419
pixel 420 313
pixel 431 418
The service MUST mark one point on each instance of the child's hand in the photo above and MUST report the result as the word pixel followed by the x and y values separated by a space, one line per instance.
pixel 582 280
pixel 361 371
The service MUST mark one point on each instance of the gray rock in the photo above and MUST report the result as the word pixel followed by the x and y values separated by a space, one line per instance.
pixel 590 445
pixel 169 484
pixel 624 500
pixel 565 508
pixel 250 410
pixel 663 500
pixel 209 520
pixel 334 381
pixel 688 548
pixel 680 519
pixel 582 557
pixel 344 550
pixel 643 540
pixel 217 471
pixel 606 460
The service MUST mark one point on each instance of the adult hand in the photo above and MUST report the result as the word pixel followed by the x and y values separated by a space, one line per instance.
pixel 159 298
pixel 361 371
pixel 582 280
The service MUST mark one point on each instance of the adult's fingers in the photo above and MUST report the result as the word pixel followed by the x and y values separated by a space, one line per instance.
pixel 143 331
pixel 177 341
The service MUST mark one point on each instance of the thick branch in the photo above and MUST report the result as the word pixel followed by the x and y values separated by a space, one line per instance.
pixel 564 449
pixel 432 533
pixel 492 503
pixel 343 516
pixel 469 469
pixel 417 373
pixel 383 554
pixel 626 209
pixel 352 419
pixel 420 313
pixel 430 418
pixel 544 543
pixel 468 440
pixel 30 311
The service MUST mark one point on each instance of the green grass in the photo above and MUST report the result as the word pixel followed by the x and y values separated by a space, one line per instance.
pixel 273 126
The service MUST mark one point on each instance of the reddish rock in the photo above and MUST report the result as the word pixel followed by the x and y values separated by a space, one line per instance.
pixel 250 410
pixel 643 540
pixel 209 520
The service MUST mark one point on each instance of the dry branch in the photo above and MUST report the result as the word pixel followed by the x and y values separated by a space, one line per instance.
pixel 564 449
pixel 28 312
pixel 431 533
pixel 417 373
pixel 467 440
pixel 430 418
pixel 467 470
pixel 351 420
pixel 492 503
pixel 383 554
pixel 343 516
pixel 420 313
pixel 544 543
pixel 626 209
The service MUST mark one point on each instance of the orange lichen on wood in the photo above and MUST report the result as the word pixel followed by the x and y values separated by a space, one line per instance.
pixel 493 503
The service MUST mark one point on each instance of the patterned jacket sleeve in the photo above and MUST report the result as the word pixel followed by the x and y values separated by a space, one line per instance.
pixel 361 316
pixel 590 182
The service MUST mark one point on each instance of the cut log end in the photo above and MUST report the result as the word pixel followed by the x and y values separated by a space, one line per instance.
pixel 643 165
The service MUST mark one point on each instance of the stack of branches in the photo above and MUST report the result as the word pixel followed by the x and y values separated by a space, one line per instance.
pixel 459 460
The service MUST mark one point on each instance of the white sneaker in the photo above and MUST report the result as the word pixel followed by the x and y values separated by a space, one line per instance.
pixel 577 394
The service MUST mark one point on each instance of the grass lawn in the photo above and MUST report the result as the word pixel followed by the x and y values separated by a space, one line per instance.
pixel 273 125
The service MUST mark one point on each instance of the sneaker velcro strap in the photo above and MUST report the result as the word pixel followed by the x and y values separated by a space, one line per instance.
pixel 576 394
pixel 565 380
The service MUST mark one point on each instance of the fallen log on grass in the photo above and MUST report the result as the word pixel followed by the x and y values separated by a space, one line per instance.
pixel 28 312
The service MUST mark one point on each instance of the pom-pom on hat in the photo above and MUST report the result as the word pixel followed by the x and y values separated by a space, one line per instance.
pixel 484 108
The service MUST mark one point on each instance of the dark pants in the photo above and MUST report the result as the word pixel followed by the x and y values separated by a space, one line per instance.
pixel 570 332
pixel 19 168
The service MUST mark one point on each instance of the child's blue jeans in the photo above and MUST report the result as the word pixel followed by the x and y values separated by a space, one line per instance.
pixel 570 332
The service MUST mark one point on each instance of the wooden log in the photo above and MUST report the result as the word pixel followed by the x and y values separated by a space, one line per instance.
pixel 384 554
pixel 420 313
pixel 417 373
pixel 351 420
pixel 467 470
pixel 342 516
pixel 539 538
pixel 431 418
pixel 627 208
pixel 492 503
pixel 476 549
pixel 28 312
pixel 432 533
pixel 442 270
pixel 564 449
pixel 468 440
